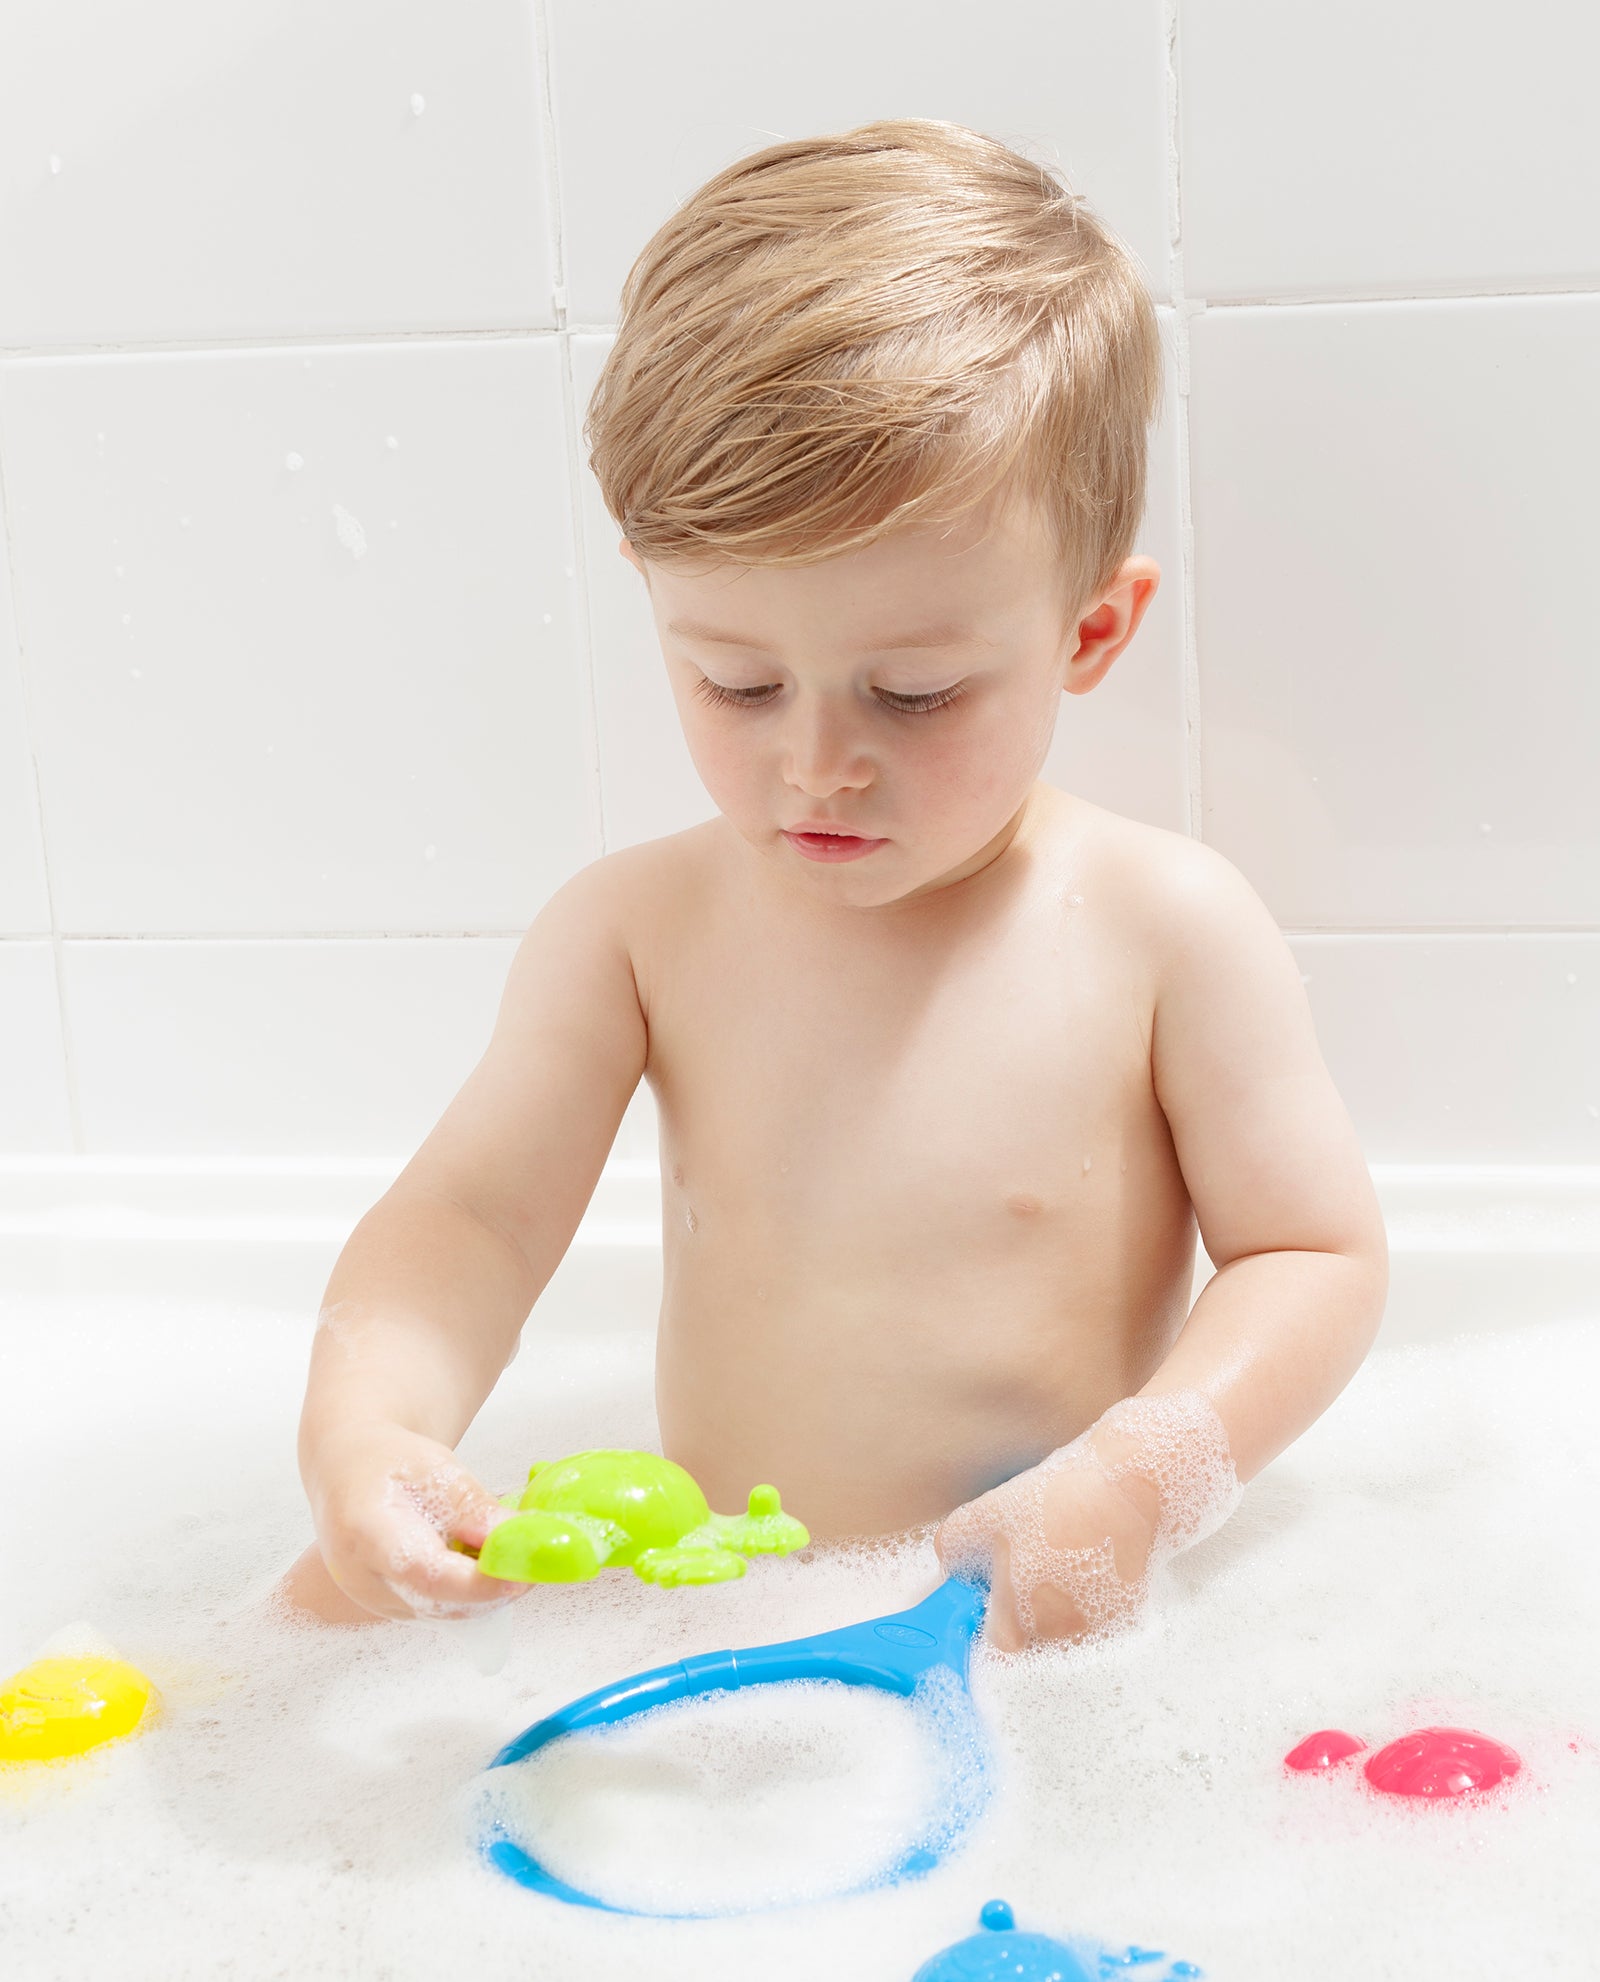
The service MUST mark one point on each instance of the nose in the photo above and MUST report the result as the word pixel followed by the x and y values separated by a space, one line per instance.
pixel 822 750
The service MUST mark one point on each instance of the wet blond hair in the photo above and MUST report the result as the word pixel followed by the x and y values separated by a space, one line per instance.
pixel 840 336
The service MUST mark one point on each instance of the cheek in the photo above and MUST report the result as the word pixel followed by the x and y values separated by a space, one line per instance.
pixel 725 762
pixel 988 758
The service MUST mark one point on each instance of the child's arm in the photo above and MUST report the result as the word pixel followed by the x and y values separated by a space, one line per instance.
pixel 1290 1219
pixel 427 1299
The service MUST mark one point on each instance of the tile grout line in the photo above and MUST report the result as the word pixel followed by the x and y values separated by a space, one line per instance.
pixel 303 340
pixel 30 732
pixel 1180 306
pixel 569 425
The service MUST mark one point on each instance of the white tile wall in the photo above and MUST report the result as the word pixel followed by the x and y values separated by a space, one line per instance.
pixel 301 635
pixel 387 699
pixel 651 100
pixel 1388 147
pixel 277 1047
pixel 1125 744
pixel 34 1112
pixel 269 168
pixel 1463 1048
pixel 648 785
pixel 24 897
pixel 1395 509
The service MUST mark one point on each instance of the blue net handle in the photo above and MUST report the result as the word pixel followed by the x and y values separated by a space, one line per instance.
pixel 892 1653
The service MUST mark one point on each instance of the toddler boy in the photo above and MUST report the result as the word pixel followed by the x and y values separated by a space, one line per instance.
pixel 947 1061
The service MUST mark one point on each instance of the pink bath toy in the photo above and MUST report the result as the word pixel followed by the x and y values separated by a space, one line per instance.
pixel 1441 1761
pixel 1434 1762
pixel 1325 1749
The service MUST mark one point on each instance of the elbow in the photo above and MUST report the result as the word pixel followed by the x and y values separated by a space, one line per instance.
pixel 1369 1268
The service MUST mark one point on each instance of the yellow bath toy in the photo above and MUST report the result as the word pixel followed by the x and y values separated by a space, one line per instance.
pixel 58 1706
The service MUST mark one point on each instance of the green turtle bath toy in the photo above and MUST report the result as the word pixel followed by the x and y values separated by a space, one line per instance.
pixel 629 1510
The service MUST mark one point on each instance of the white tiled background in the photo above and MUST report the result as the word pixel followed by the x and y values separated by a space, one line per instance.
pixel 319 669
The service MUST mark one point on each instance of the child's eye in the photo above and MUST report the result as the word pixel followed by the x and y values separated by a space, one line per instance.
pixel 754 698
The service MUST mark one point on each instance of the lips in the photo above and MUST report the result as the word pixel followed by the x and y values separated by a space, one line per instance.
pixel 835 832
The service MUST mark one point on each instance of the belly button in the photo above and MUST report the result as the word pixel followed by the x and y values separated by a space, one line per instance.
pixel 1024 1204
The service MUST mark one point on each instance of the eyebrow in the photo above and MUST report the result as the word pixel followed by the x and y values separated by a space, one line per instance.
pixel 947 633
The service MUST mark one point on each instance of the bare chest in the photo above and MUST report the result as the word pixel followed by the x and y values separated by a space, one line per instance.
pixel 922 1218
pixel 889 1100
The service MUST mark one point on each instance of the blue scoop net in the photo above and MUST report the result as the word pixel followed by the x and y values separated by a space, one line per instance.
pixel 899 1654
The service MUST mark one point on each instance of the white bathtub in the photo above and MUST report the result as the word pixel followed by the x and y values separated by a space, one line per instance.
pixel 1425 1554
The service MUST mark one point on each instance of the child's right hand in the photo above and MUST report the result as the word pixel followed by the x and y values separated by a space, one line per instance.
pixel 386 1501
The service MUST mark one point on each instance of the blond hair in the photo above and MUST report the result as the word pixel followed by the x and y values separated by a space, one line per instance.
pixel 843 335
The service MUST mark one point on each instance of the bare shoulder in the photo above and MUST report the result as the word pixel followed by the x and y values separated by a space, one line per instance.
pixel 645 890
pixel 1173 895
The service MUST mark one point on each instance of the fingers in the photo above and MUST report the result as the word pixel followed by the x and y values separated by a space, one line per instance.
pixel 965 1539
pixel 973 1538
pixel 1003 1626
pixel 388 1549
pixel 428 1577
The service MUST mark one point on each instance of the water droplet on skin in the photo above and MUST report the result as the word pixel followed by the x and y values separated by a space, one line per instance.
pixel 419 103
pixel 294 462
pixel 1124 1169
pixel 690 1220
pixel 1087 1162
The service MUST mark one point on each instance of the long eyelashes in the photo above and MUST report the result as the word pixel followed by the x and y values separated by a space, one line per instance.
pixel 899 705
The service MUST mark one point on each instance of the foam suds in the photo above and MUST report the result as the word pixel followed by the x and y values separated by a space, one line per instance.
pixel 305 1802
pixel 1175 1441
pixel 738 1800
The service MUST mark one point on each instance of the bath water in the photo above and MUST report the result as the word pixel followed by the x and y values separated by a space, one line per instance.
pixel 1424 1556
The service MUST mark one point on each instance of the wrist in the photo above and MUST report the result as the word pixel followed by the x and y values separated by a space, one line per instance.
pixel 1169 1456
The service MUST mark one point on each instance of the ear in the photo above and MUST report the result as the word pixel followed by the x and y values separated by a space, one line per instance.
pixel 1107 629
pixel 631 555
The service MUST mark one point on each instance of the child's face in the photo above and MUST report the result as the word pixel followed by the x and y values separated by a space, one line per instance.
pixel 838 675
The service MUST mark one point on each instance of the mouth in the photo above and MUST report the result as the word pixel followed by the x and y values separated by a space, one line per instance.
pixel 830 843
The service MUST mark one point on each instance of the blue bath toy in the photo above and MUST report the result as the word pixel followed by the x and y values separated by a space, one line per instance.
pixel 1003 1953
pixel 899 1653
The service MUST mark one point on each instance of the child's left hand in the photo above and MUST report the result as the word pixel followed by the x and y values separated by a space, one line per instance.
pixel 1065 1549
